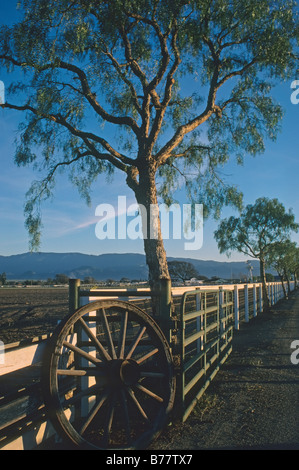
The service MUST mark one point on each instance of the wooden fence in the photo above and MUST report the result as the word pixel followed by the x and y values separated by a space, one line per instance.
pixel 23 420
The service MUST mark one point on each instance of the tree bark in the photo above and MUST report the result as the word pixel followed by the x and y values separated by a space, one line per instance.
pixel 264 283
pixel 146 196
pixel 283 286
pixel 288 282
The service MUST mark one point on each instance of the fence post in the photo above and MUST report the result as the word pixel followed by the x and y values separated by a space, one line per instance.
pixel 246 303
pixel 236 305
pixel 199 322
pixel 254 301
pixel 2 353
pixel 165 308
pixel 74 299
pixel 261 298
pixel 221 301
pixel 269 294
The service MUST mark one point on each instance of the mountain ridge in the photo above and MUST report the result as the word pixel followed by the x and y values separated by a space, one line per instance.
pixel 44 265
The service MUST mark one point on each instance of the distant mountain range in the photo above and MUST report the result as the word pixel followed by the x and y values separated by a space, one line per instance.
pixel 41 266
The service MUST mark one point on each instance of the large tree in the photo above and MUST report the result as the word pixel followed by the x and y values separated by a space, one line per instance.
pixel 187 83
pixel 259 227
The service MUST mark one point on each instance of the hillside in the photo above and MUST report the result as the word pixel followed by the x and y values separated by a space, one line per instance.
pixel 107 266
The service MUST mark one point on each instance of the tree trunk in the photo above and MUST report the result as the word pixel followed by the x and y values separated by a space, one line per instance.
pixel 146 196
pixel 283 286
pixel 264 283
pixel 288 282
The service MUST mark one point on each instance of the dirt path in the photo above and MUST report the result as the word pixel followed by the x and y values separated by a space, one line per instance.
pixel 253 403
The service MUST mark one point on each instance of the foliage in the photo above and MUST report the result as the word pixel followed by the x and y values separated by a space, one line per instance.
pixel 182 270
pixel 183 85
pixel 3 279
pixel 284 257
pixel 61 279
pixel 260 227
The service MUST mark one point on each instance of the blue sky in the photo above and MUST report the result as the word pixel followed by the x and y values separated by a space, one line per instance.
pixel 69 225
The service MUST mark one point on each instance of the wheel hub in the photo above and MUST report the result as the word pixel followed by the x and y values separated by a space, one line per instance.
pixel 123 372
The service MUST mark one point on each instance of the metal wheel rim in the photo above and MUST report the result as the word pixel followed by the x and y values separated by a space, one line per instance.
pixel 128 376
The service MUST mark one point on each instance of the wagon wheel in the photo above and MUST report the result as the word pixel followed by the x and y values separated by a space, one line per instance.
pixel 108 377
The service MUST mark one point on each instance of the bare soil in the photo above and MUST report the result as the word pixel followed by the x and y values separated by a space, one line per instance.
pixel 29 312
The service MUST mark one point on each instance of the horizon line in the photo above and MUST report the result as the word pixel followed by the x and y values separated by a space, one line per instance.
pixel 124 253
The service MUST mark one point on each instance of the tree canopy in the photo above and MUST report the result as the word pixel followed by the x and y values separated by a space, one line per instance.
pixel 183 271
pixel 165 91
pixel 260 226
pixel 284 257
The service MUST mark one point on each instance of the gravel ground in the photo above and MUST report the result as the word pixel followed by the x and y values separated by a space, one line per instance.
pixel 253 402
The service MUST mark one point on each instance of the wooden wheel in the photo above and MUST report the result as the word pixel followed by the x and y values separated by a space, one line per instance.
pixel 108 377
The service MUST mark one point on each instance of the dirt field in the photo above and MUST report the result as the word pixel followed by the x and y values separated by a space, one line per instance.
pixel 29 312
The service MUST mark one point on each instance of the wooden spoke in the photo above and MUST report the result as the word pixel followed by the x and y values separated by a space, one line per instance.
pixel 109 420
pixel 136 342
pixel 126 415
pixel 93 412
pixel 80 373
pixel 83 393
pixel 155 375
pixel 138 405
pixel 149 392
pixel 95 340
pixel 72 372
pixel 122 336
pixel 147 356
pixel 108 333
pixel 82 353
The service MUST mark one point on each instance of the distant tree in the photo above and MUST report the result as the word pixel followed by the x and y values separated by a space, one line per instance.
pixel 89 280
pixel 255 231
pixel 284 257
pixel 296 266
pixel 83 64
pixel 182 271
pixel 3 279
pixel 61 279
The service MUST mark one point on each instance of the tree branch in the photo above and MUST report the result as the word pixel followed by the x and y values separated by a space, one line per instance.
pixel 118 67
pixel 236 72
pixel 211 107
pixel 91 98
pixel 119 160
pixel 168 89
pixel 86 91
